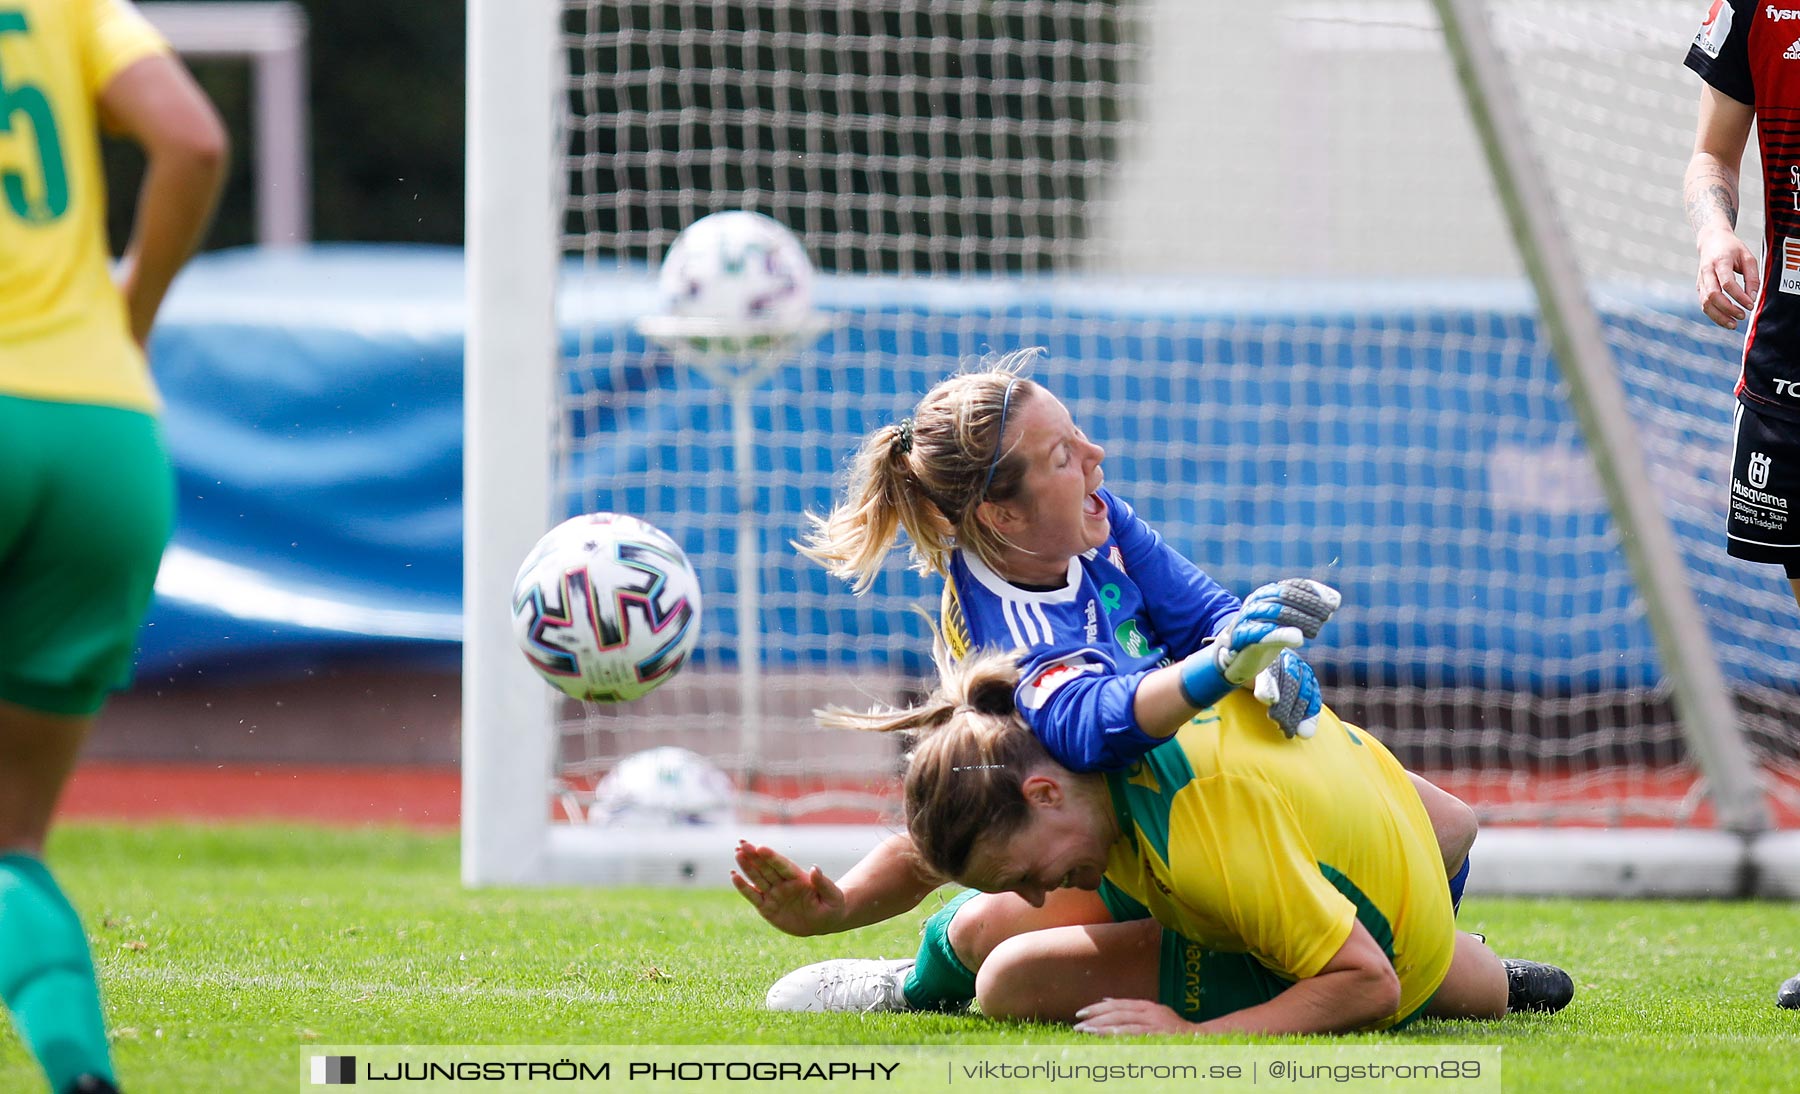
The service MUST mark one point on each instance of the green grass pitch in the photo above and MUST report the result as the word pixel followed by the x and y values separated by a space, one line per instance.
pixel 227 951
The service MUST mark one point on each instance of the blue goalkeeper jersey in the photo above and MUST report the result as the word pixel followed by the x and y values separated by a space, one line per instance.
pixel 1085 645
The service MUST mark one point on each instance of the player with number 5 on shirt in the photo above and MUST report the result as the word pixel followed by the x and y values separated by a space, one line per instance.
pixel 86 493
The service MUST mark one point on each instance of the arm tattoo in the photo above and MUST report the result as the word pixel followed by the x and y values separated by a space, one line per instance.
pixel 1711 192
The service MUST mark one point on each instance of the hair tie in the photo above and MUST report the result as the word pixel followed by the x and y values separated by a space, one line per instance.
pixel 979 767
pixel 1000 440
pixel 905 438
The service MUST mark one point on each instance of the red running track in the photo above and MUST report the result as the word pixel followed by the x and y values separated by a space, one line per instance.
pixel 417 797
pixel 428 797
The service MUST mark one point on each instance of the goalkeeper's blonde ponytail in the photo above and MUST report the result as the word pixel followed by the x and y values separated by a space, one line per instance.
pixel 927 475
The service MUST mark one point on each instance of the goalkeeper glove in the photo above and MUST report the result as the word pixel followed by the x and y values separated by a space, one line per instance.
pixel 1276 617
pixel 1291 692
pixel 1303 603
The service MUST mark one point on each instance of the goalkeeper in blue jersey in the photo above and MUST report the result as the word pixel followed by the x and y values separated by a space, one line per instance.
pixel 1122 641
pixel 1003 495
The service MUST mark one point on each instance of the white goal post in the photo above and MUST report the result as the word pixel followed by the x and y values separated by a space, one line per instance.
pixel 1331 323
pixel 510 350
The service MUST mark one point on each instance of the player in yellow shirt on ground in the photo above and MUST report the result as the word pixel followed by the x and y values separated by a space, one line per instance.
pixel 1257 885
pixel 86 497
pixel 999 490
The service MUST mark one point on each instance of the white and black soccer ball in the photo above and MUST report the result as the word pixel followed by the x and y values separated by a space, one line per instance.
pixel 661 788
pixel 606 607
pixel 737 275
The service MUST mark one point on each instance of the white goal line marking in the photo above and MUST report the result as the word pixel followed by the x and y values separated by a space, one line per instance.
pixel 283 983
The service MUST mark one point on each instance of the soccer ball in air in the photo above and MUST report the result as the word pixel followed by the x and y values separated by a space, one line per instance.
pixel 739 277
pixel 606 607
pixel 663 787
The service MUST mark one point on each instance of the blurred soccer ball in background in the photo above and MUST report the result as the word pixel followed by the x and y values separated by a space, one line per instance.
pixel 662 787
pixel 606 607
pixel 737 275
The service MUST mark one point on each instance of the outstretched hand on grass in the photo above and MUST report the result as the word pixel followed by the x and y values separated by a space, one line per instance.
pixel 1129 1018
pixel 799 902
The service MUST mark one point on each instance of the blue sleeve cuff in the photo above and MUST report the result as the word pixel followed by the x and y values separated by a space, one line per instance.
pixel 1202 684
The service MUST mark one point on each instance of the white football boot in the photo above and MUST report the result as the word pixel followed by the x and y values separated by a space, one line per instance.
pixel 846 984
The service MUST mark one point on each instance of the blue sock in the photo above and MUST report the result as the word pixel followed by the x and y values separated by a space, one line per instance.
pixel 939 980
pixel 1456 887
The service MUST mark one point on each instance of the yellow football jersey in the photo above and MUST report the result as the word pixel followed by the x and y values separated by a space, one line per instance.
pixel 1246 842
pixel 64 333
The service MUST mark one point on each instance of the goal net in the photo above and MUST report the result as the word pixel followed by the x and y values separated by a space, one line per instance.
pixel 1273 273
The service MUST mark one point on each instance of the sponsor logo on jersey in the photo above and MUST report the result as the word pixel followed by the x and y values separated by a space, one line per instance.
pixel 1759 469
pixel 1715 29
pixel 1790 266
pixel 1756 495
pixel 1192 990
pixel 1036 691
pixel 1774 14
pixel 1092 624
pixel 1132 640
pixel 1793 51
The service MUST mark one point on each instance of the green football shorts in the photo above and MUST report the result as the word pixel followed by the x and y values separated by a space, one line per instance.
pixel 87 501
